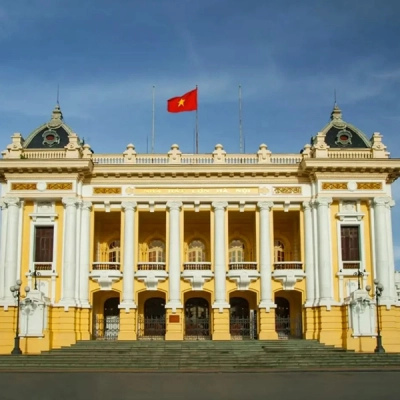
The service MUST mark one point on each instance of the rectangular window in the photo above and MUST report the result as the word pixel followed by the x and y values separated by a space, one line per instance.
pixel 44 236
pixel 350 243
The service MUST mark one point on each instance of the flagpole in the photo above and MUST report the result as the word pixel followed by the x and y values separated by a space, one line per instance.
pixel 153 121
pixel 197 123
pixel 240 120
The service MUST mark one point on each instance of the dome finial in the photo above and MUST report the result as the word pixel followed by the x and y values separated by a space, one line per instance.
pixel 56 117
pixel 336 114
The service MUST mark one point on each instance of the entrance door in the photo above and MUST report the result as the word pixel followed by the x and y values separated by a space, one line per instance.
pixel 282 317
pixel 152 324
pixel 243 321
pixel 111 318
pixel 197 319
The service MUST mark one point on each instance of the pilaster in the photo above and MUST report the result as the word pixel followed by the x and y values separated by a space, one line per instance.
pixel 309 254
pixel 174 324
pixel 127 325
pixel 221 324
pixel 174 259
pixel 267 325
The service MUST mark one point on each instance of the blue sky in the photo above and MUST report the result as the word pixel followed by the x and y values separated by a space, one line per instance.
pixel 289 56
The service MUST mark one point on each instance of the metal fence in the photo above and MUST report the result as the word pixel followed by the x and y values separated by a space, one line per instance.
pixel 288 328
pixel 105 328
pixel 243 327
pixel 152 328
pixel 197 328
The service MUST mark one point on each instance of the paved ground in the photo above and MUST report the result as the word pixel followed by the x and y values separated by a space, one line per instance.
pixel 201 386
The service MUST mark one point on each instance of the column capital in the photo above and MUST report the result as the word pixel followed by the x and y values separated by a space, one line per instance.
pixel 265 205
pixel 307 205
pixel 381 201
pixel 11 201
pixel 70 201
pixel 86 205
pixel 129 205
pixel 174 205
pixel 219 205
pixel 323 201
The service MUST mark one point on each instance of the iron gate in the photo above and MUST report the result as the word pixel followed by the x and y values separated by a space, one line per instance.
pixel 243 327
pixel 151 328
pixel 197 328
pixel 105 328
pixel 287 327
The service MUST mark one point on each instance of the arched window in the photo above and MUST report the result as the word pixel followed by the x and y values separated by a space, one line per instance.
pixel 279 251
pixel 157 251
pixel 114 251
pixel 236 251
pixel 197 251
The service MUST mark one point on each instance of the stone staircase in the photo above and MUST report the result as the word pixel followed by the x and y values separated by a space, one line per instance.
pixel 197 356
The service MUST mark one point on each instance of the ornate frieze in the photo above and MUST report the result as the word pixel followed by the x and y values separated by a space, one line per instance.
pixel 334 185
pixel 41 186
pixel 107 190
pixel 369 185
pixel 287 190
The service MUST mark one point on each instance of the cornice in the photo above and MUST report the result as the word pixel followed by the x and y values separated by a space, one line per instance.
pixel 11 166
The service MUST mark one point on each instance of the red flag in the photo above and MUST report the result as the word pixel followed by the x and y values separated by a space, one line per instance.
pixel 187 102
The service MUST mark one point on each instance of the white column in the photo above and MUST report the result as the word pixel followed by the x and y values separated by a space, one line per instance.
pixel 324 252
pixel 11 250
pixel 174 256
pixel 219 256
pixel 392 267
pixel 381 247
pixel 309 253
pixel 128 300
pixel 84 259
pixel 3 206
pixel 264 244
pixel 69 252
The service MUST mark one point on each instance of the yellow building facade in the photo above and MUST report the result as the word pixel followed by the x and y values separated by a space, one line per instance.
pixel 197 246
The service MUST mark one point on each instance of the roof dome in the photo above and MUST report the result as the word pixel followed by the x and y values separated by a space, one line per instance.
pixel 340 134
pixel 51 135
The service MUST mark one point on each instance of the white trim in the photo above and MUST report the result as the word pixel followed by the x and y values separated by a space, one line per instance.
pixel 372 233
pixel 20 232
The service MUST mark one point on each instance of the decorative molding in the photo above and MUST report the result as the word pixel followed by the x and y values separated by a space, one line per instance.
pixel 219 205
pixel 23 186
pixel 197 278
pixel 129 205
pixel 265 205
pixel 334 186
pixel 369 185
pixel 59 186
pixel 288 277
pixel 243 278
pixel 287 189
pixel 107 190
pixel 174 205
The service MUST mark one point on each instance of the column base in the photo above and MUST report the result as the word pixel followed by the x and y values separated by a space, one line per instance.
pixel 220 324
pixel 174 305
pixel 127 305
pixel 174 324
pixel 127 325
pixel 267 325
pixel 221 306
pixel 266 305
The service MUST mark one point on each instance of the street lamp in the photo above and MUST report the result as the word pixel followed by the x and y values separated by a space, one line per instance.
pixel 359 275
pixel 35 275
pixel 378 293
pixel 16 292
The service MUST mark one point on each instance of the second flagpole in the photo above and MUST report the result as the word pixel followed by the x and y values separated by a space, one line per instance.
pixel 197 122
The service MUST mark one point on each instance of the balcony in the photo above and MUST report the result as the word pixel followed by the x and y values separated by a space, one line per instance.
pixel 151 273
pixel 105 274
pixel 43 268
pixel 197 273
pixel 243 273
pixel 288 272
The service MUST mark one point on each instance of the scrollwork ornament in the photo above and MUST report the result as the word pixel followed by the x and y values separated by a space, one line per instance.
pixel 219 205
pixel 174 205
pixel 265 205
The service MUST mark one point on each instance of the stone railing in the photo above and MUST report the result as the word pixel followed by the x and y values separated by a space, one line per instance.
pixel 42 266
pixel 106 266
pixel 243 266
pixel 288 265
pixel 197 266
pixel 151 266
pixel 340 153
pixel 351 264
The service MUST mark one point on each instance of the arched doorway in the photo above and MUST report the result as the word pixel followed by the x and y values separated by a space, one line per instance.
pixel 111 318
pixel 243 321
pixel 288 322
pixel 153 324
pixel 197 319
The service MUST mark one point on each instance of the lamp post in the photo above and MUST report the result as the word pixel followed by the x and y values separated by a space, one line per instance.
pixel 35 275
pixel 16 291
pixel 359 275
pixel 378 293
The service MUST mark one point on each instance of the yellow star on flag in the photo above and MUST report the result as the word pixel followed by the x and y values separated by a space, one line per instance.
pixel 181 103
